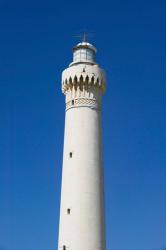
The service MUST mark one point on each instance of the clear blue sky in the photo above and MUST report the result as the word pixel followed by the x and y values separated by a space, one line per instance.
pixel 36 38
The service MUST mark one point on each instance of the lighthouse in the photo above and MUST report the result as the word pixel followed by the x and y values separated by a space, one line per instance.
pixel 81 224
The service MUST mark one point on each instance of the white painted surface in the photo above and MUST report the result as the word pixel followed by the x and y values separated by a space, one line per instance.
pixel 82 176
pixel 83 70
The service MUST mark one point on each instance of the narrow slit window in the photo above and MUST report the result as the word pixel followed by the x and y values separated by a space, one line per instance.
pixel 68 211
pixel 72 102
pixel 71 154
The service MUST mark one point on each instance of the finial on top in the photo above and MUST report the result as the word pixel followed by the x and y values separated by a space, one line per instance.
pixel 84 36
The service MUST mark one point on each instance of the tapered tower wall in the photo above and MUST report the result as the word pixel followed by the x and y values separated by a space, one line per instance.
pixel 82 200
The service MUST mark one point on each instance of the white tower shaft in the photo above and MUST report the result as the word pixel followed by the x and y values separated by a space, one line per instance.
pixel 82 212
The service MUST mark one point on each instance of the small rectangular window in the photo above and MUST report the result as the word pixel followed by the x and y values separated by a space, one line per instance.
pixel 68 211
pixel 72 102
pixel 64 247
pixel 70 154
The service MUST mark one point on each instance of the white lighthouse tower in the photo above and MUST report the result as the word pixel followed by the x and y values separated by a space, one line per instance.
pixel 81 224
